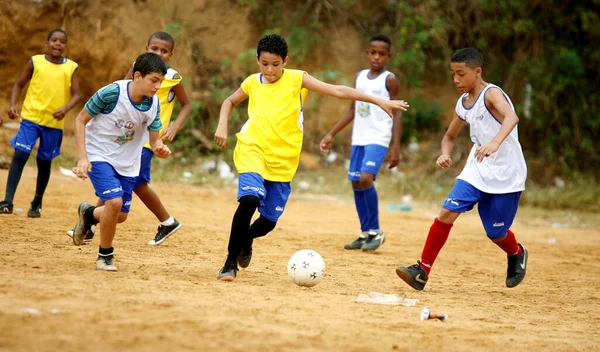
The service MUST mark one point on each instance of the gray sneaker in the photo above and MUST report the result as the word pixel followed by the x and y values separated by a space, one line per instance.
pixel 105 263
pixel 517 264
pixel 413 275
pixel 82 227
pixel 359 242
pixel 89 235
pixel 374 241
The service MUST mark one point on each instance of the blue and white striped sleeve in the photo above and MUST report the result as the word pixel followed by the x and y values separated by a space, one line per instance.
pixel 156 125
pixel 104 100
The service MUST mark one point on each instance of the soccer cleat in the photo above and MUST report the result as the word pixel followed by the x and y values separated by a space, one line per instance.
pixel 413 275
pixel 228 272
pixel 34 211
pixel 164 232
pixel 374 241
pixel 89 235
pixel 244 258
pixel 517 264
pixel 105 263
pixel 82 227
pixel 6 207
pixel 359 242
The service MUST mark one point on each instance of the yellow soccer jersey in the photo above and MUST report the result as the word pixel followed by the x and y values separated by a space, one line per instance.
pixel 167 98
pixel 270 142
pixel 49 89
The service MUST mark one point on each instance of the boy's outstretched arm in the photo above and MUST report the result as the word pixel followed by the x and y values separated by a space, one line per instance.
pixel 17 88
pixel 348 116
pixel 169 133
pixel 392 84
pixel 83 164
pixel 348 93
pixel 496 102
pixel 226 108
pixel 444 161
pixel 61 112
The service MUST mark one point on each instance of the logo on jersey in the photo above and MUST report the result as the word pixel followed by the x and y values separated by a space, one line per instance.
pixel 126 137
pixel 363 109
pixel 121 123
pixel 279 208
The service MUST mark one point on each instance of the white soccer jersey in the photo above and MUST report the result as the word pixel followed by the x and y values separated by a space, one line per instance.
pixel 372 125
pixel 505 170
pixel 117 137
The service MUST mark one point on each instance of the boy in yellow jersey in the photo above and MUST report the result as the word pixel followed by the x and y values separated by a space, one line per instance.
pixel 268 149
pixel 162 44
pixel 53 91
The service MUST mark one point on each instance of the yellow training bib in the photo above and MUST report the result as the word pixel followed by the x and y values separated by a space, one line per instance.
pixel 166 96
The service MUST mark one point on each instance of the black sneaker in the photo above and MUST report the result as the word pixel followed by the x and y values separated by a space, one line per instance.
pixel 359 242
pixel 164 232
pixel 35 211
pixel 228 272
pixel 517 264
pixel 6 207
pixel 81 228
pixel 244 258
pixel 89 235
pixel 374 241
pixel 414 276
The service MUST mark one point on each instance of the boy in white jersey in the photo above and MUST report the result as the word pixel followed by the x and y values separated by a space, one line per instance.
pixel 162 44
pixel 494 175
pixel 110 148
pixel 371 135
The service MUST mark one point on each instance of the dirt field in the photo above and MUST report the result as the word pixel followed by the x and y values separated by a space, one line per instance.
pixel 168 298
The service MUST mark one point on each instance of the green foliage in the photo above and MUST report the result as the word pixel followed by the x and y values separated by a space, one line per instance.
pixel 421 119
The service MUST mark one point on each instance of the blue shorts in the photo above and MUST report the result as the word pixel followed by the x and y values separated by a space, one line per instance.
pixel 29 132
pixel 145 167
pixel 108 184
pixel 366 158
pixel 273 196
pixel 497 211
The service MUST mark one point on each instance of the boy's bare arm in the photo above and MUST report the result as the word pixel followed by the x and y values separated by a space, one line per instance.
pixel 83 164
pixel 17 88
pixel 169 133
pixel 61 112
pixel 226 109
pixel 497 103
pixel 448 142
pixel 348 93
pixel 159 149
pixel 392 84
pixel 346 118
pixel 129 74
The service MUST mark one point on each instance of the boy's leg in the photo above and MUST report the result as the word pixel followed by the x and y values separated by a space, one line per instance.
pixel 360 199
pixel 497 212
pixel 49 148
pixel 23 142
pixel 250 192
pixel 462 198
pixel 14 176
pixel 270 209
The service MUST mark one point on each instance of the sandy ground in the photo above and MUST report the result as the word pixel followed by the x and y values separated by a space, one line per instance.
pixel 168 298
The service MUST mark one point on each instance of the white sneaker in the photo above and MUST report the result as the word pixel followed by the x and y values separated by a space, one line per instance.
pixel 105 263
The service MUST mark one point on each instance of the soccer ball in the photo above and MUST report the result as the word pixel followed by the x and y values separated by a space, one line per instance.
pixel 306 268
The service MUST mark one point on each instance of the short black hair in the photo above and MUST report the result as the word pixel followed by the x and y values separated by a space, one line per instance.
pixel 149 63
pixel 470 56
pixel 274 44
pixel 59 31
pixel 381 38
pixel 162 36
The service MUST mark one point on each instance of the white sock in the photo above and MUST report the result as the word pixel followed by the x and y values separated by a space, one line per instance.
pixel 168 222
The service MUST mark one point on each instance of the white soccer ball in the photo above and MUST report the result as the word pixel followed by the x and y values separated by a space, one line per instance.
pixel 306 268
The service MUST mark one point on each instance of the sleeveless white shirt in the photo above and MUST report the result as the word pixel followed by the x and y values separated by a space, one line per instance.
pixel 372 125
pixel 118 137
pixel 505 170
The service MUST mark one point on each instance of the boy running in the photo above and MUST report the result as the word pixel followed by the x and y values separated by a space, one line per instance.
pixel 494 175
pixel 371 136
pixel 110 146
pixel 268 149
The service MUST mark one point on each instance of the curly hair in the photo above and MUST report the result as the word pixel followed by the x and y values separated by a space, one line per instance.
pixel 274 44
